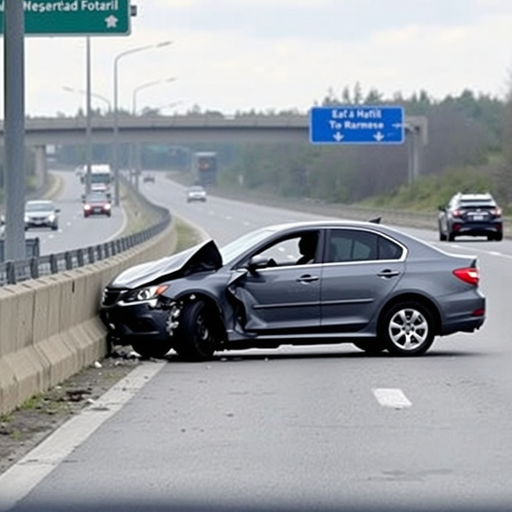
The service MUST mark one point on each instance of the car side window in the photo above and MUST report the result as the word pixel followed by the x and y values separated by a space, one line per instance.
pixel 296 250
pixel 351 245
pixel 389 250
pixel 357 245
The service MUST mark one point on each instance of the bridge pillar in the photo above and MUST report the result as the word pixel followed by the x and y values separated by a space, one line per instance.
pixel 417 139
pixel 41 170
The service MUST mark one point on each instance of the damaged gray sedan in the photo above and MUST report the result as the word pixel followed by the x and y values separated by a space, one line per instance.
pixel 296 284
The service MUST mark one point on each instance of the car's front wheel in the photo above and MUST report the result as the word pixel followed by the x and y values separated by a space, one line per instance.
pixel 197 334
pixel 407 329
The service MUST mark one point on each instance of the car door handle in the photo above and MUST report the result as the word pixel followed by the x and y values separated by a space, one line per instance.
pixel 388 273
pixel 307 279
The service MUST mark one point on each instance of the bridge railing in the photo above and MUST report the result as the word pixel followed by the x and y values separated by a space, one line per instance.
pixel 14 272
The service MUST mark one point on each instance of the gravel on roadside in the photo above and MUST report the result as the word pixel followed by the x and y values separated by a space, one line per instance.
pixel 24 428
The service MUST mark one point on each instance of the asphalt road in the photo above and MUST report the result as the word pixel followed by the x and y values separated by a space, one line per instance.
pixel 76 231
pixel 322 428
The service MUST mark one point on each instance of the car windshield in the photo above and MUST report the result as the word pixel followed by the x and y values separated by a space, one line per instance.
pixel 472 203
pixel 233 250
pixel 196 189
pixel 97 197
pixel 40 206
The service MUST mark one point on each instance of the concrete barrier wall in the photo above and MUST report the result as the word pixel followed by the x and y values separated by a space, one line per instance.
pixel 50 327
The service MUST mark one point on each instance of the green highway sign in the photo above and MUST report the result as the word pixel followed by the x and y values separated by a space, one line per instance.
pixel 74 17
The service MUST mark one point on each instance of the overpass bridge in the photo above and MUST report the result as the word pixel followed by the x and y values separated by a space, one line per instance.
pixel 193 128
pixel 185 129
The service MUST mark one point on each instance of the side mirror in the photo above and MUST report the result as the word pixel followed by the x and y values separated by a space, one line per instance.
pixel 2 220
pixel 83 198
pixel 442 208
pixel 57 210
pixel 257 262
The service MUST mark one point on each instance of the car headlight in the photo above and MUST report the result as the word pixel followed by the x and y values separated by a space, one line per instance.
pixel 26 218
pixel 51 217
pixel 107 206
pixel 145 294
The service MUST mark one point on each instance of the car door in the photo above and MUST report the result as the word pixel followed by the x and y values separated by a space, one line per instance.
pixel 283 298
pixel 361 268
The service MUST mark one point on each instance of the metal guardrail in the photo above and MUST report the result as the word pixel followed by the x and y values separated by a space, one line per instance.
pixel 13 272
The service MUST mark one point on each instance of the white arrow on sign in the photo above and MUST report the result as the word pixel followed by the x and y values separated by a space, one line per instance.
pixel 338 136
pixel 378 136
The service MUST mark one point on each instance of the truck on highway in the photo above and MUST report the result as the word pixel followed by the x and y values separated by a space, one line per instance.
pixel 205 168
pixel 100 180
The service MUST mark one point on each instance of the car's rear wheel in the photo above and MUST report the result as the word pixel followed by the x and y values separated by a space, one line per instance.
pixel 407 329
pixel 371 347
pixel 146 349
pixel 442 236
pixel 451 237
pixel 197 333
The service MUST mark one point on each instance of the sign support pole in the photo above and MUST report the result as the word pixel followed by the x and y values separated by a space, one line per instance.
pixel 14 134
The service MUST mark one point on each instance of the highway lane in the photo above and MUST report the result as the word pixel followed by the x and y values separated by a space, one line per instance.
pixel 76 231
pixel 311 428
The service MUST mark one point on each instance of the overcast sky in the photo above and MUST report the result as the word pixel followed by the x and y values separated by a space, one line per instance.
pixel 232 55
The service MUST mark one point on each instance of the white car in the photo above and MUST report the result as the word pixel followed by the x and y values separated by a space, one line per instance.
pixel 41 213
pixel 196 193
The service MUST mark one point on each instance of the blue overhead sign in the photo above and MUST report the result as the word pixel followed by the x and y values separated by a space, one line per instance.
pixel 357 124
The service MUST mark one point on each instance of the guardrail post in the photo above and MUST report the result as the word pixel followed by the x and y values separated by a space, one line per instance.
pixel 80 257
pixel 68 258
pixel 10 271
pixel 34 268
pixel 90 254
pixel 54 264
pixel 99 251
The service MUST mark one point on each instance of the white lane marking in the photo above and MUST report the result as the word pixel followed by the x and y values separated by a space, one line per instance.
pixel 391 397
pixel 123 225
pixel 24 476
pixel 472 250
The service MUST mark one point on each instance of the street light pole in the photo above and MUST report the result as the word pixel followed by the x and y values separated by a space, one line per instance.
pixel 93 95
pixel 115 145
pixel 88 117
pixel 135 147
pixel 145 86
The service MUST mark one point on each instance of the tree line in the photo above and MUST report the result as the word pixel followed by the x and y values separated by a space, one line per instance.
pixel 468 133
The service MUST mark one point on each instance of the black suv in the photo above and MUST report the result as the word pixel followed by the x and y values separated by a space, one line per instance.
pixel 471 215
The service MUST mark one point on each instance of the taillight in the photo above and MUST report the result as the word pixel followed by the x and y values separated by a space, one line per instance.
pixel 496 211
pixel 456 213
pixel 469 275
